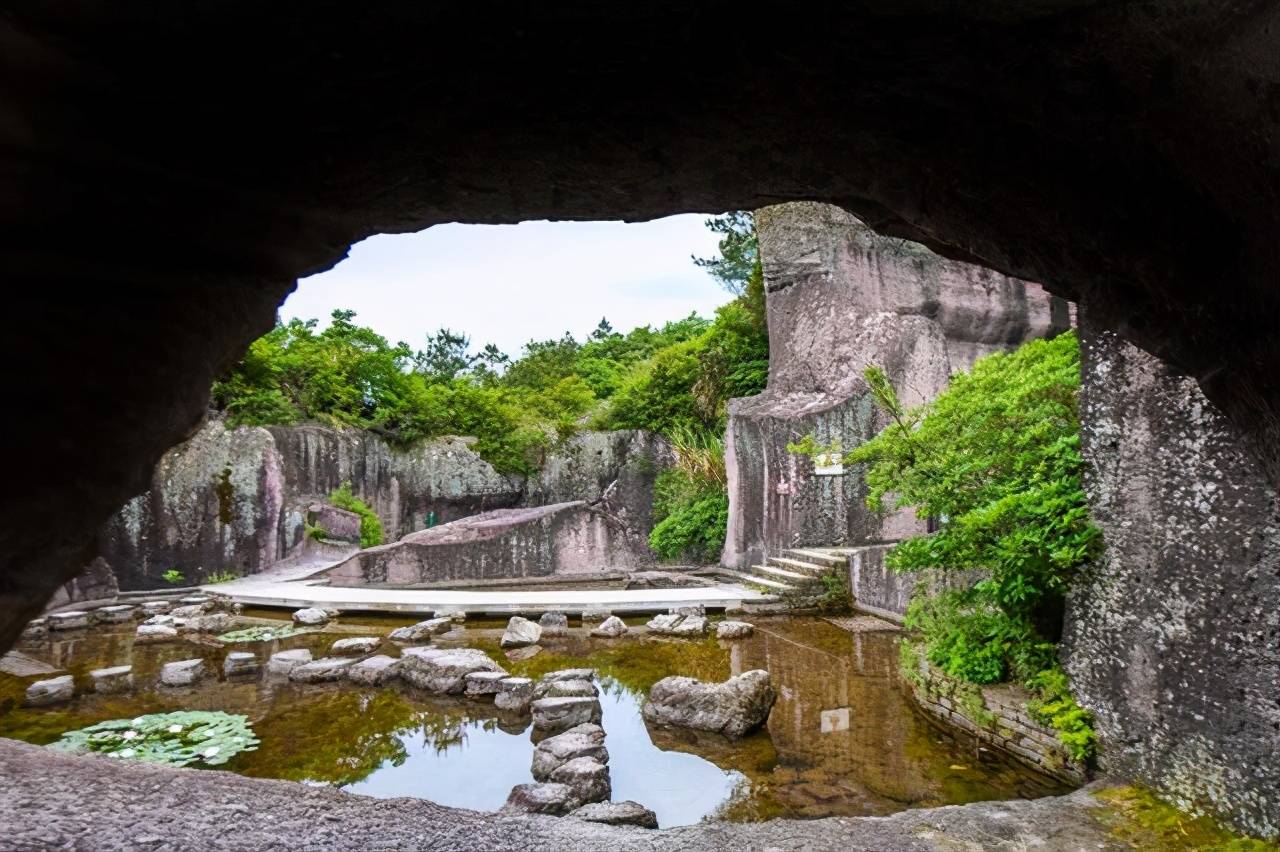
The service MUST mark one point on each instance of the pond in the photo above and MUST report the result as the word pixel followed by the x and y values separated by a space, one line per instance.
pixel 843 737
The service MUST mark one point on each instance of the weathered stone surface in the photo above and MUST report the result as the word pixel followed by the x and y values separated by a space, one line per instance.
pixel 457 616
pixel 876 587
pixel 283 662
pixel 116 614
pixel 154 633
pixel 586 740
pixel 182 672
pixel 593 615
pixel 543 798
pixel 191 610
pixel 214 622
pixel 734 630
pixel 112 680
pixel 374 671
pixel 611 628
pixel 520 632
pixel 156 607
pixel 515 655
pixel 322 670
pixel 422 630
pixel 554 715
pixel 1171 638
pixel 158 620
pixel 665 580
pixel 197 600
pixel 514 694
pixel 72 620
pixel 733 708
pixel 676 624
pixel 96 582
pixel 617 813
pixel 36 628
pixel 587 777
pixel 484 683
pixel 560 539
pixel 54 690
pixel 568 674
pixel 443 670
pixel 311 617
pixel 841 298
pixel 338 524
pixel 571 688
pixel 553 623
pixel 240 663
pixel 354 646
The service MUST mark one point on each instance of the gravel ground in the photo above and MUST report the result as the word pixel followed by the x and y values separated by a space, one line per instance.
pixel 56 801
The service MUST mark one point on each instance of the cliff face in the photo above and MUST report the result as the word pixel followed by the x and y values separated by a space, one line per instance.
pixel 1172 639
pixel 841 298
pixel 236 500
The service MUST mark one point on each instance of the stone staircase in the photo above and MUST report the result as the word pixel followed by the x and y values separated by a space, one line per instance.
pixel 796 571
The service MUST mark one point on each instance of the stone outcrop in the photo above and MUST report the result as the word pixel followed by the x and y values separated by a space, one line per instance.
pixel 1171 639
pixel 733 708
pixel 617 813
pixel 556 715
pixel 561 539
pixel 443 670
pixel 841 298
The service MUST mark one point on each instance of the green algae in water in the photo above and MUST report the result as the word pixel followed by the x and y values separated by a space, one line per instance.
pixel 263 633
pixel 181 738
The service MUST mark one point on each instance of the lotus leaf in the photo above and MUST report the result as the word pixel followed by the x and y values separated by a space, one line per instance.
pixel 262 633
pixel 180 738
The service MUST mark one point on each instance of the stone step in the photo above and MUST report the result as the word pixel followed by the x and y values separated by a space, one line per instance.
pixel 823 557
pixel 809 569
pixel 772 572
pixel 755 580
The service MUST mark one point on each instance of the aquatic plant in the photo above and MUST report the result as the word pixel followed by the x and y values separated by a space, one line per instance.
pixel 262 633
pixel 180 738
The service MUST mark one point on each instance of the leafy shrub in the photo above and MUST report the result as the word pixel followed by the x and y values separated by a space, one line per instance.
pixel 1054 706
pixel 181 738
pixel 174 577
pixel 220 577
pixel 370 524
pixel 691 521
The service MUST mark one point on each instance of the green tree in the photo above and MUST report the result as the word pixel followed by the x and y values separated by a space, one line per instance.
pixel 739 248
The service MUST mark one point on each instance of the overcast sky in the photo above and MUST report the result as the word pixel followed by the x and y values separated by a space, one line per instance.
pixel 507 284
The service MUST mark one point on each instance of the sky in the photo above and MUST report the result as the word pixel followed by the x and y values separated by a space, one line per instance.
pixel 507 284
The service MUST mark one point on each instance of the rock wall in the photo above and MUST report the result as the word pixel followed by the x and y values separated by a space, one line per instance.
pixel 841 298
pixel 557 539
pixel 1173 641
pixel 877 588
pixel 237 500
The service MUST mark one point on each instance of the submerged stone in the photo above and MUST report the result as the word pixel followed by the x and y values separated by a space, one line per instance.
pixel 322 670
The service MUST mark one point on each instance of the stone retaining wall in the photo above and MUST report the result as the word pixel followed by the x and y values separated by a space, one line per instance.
pixel 996 716
pixel 877 588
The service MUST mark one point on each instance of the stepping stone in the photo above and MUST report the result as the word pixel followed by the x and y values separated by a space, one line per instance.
pixel 617 813
pixel 156 607
pixel 55 690
pixel 554 623
pixel 112 680
pixel 546 798
pixel 159 619
pixel 240 663
pixel 323 670
pixel 568 674
pixel 443 670
pixel 611 628
pixel 115 614
pixel 593 615
pixel 520 632
pixel 190 611
pixel 733 630
pixel 214 622
pixel 283 662
pixel 556 715
pixel 483 683
pixel 422 631
pixel 587 777
pixel 514 694
pixel 73 620
pixel 565 689
pixel 182 673
pixel 457 616
pixel 154 633
pixel 195 600
pixel 356 646
pixel 311 617
pixel 375 671
pixel 582 741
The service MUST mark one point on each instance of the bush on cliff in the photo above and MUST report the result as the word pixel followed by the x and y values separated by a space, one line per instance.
pixel 370 524
pixel 691 504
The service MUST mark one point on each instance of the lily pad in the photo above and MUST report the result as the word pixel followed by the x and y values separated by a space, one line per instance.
pixel 181 738
pixel 262 633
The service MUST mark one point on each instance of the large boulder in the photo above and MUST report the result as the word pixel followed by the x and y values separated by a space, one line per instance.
pixel 322 670
pixel 521 632
pixel 617 813
pixel 543 798
pixel 423 630
pixel 586 740
pixel 555 715
pixel 733 708
pixel 55 690
pixel 587 777
pixel 443 670
pixel 611 628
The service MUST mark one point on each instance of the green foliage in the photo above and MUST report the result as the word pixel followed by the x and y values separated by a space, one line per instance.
pixel 220 577
pixel 174 577
pixel 315 532
pixel 262 633
pixel 739 258
pixel 1054 706
pixel 691 518
pixel 835 592
pixel 181 738
pixel 1143 821
pixel 370 524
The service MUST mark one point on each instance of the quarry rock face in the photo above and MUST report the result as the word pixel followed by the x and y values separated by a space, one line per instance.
pixel 560 539
pixel 841 298
pixel 1171 638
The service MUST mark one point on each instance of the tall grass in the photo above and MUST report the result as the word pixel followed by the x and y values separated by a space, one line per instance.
pixel 699 456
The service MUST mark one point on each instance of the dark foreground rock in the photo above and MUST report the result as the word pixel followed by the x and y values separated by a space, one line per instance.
pixel 617 813
pixel 53 800
pixel 733 708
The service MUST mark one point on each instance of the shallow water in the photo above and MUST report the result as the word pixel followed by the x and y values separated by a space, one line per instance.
pixel 842 738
